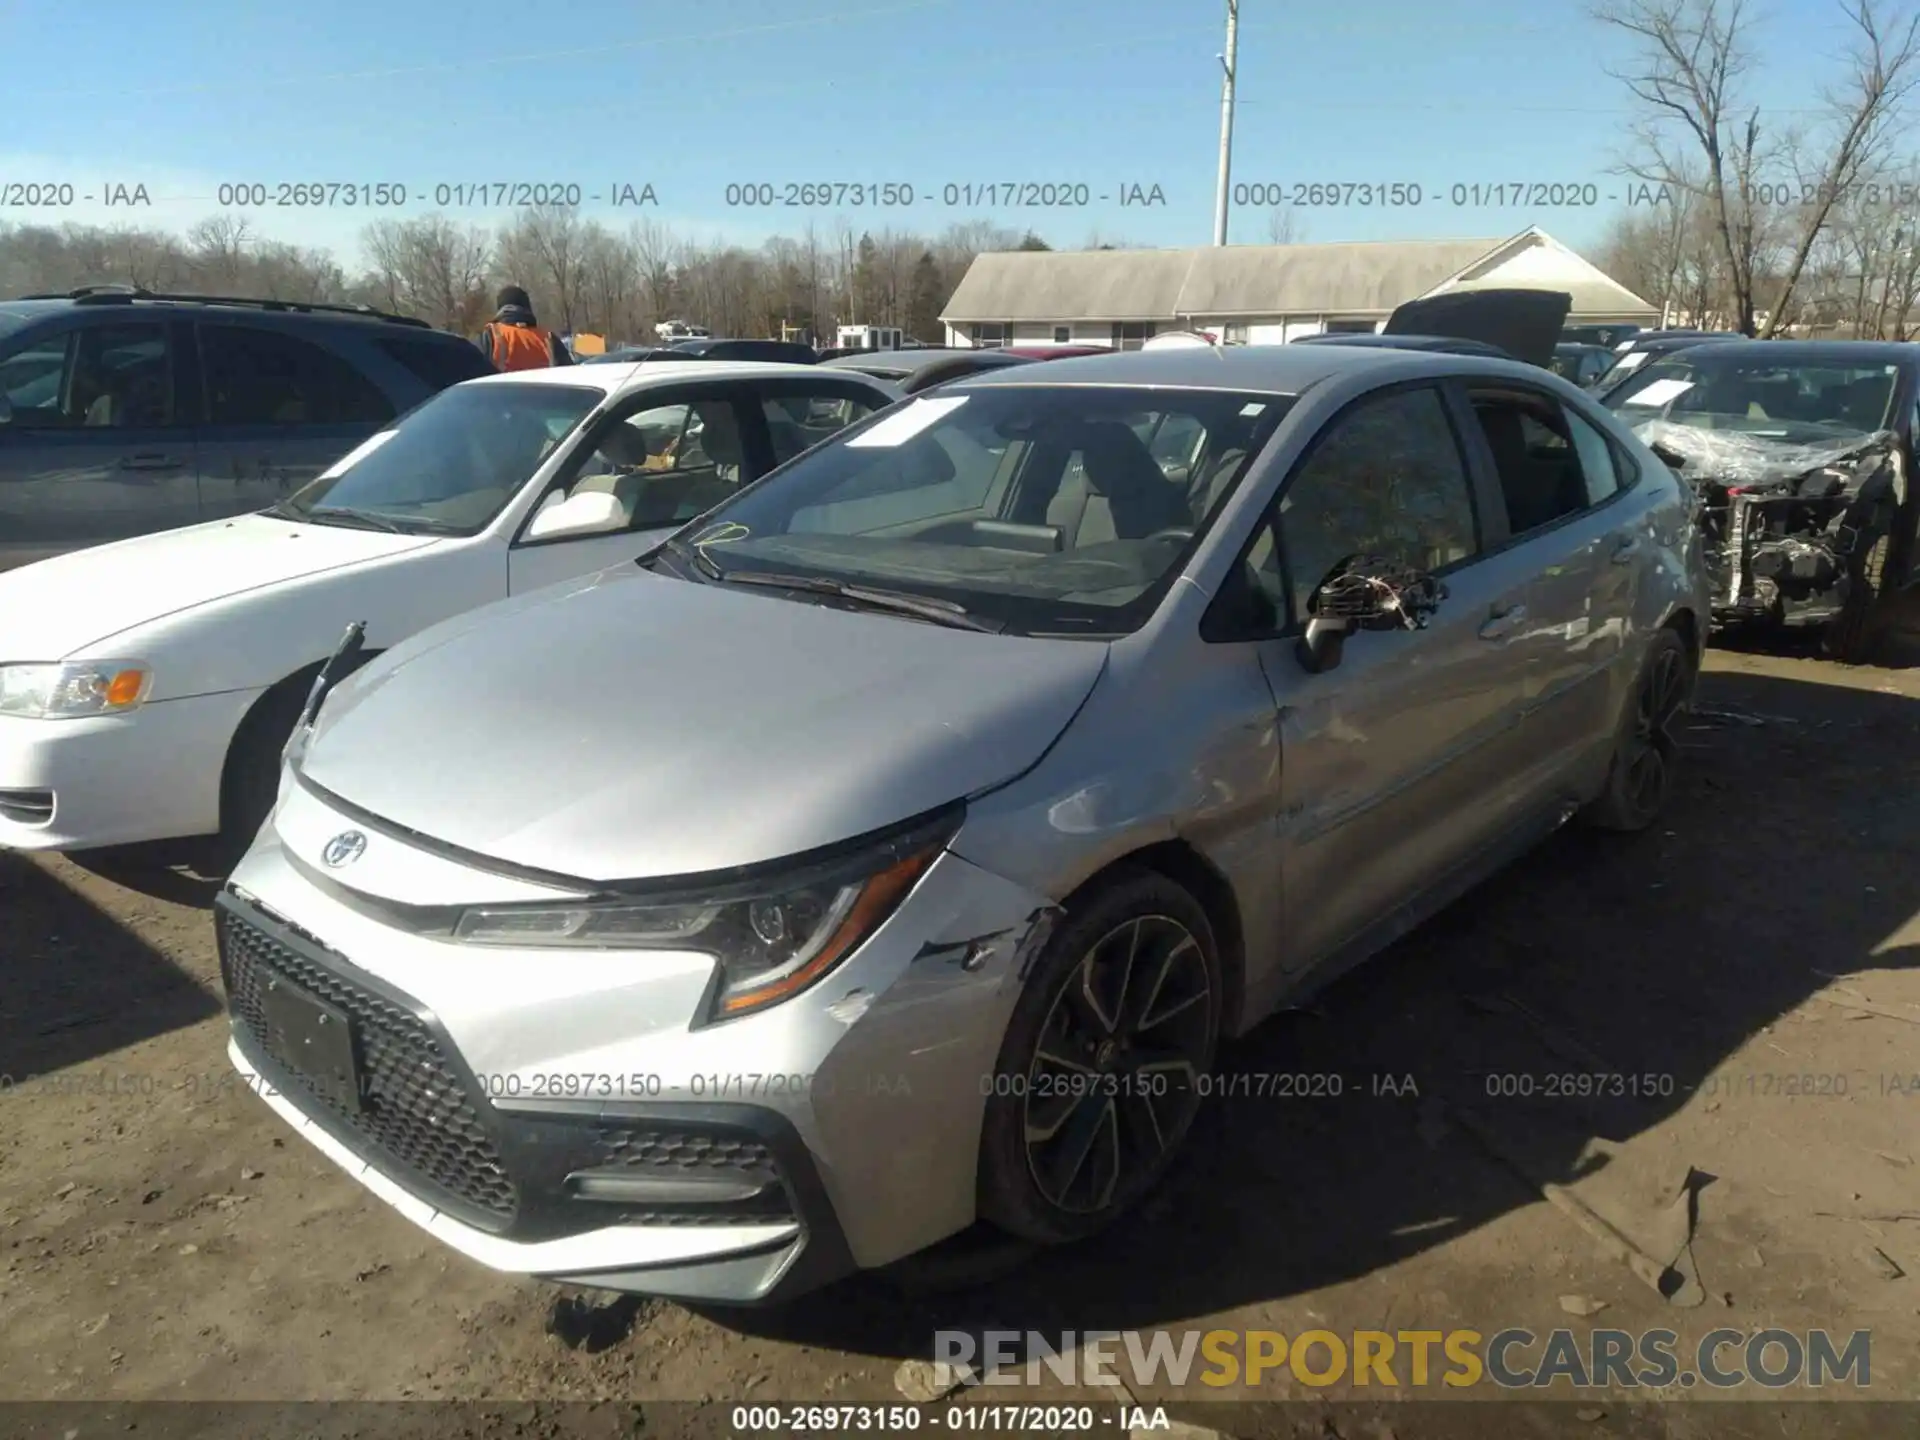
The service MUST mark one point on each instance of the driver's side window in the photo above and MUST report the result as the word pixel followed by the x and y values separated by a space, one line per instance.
pixel 664 464
pixel 1385 478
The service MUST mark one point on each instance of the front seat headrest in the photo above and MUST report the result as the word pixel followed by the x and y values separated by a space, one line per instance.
pixel 624 446
pixel 1120 469
pixel 719 435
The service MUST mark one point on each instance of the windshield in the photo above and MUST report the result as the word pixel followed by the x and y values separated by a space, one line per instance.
pixel 1049 509
pixel 451 464
pixel 12 320
pixel 1787 397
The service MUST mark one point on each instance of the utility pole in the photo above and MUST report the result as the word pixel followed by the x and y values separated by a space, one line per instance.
pixel 1227 63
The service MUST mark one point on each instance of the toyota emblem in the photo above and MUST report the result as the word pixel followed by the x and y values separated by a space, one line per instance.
pixel 344 849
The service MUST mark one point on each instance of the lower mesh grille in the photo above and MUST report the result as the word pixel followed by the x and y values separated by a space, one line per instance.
pixel 415 1116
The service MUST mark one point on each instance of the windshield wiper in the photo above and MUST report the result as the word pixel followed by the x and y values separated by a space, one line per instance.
pixel 698 558
pixel 366 519
pixel 940 612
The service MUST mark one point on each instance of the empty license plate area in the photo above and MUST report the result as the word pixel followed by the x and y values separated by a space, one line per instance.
pixel 314 1040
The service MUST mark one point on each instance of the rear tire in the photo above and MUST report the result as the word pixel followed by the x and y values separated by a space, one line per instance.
pixel 1103 1066
pixel 1646 753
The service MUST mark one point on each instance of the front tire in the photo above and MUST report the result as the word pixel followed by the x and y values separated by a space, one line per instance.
pixel 251 783
pixel 1103 1066
pixel 1853 636
pixel 1646 753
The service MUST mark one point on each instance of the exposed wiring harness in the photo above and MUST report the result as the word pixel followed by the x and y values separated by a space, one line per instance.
pixel 1374 592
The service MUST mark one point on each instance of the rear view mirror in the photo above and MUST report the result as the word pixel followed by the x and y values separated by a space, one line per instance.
pixel 1365 592
pixel 592 512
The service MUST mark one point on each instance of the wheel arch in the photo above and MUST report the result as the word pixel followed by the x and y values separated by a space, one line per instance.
pixel 1180 861
pixel 283 692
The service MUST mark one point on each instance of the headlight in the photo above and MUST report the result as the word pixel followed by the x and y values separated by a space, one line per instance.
pixel 56 692
pixel 772 938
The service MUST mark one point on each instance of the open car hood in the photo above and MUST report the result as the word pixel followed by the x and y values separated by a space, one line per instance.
pixel 1524 323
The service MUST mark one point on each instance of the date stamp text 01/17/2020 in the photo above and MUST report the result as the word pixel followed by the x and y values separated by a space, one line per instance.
pixel 382 195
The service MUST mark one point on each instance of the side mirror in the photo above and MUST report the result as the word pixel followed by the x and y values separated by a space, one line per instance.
pixel 1364 592
pixel 592 512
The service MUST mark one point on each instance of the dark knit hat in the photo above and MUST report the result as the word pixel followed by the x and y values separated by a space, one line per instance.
pixel 512 295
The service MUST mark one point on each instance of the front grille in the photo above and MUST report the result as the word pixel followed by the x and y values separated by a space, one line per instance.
pixel 27 807
pixel 639 1150
pixel 416 1118
pixel 686 1151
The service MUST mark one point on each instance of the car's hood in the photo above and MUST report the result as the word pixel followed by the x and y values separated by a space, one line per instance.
pixel 53 608
pixel 1524 323
pixel 632 726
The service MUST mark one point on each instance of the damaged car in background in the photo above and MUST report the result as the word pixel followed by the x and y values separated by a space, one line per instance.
pixel 1799 453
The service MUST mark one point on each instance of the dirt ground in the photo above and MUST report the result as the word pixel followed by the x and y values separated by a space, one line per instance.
pixel 163 1236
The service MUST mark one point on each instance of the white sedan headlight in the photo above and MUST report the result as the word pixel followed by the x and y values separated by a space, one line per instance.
pixel 60 692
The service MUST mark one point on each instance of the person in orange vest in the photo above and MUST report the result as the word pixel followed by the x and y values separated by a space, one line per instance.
pixel 514 340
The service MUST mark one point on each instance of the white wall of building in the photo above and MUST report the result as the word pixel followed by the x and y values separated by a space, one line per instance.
pixel 1259 331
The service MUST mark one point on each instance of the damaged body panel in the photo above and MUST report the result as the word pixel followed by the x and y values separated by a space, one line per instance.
pixel 1789 528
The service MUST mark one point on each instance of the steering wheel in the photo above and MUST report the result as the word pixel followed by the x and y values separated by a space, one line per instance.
pixel 1172 532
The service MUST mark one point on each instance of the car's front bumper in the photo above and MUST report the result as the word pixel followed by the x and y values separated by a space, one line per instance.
pixel 150 774
pixel 498 1084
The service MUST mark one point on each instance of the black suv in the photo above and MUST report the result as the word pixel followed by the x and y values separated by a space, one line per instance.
pixel 123 412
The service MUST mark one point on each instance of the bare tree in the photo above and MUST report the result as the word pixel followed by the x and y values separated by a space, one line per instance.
pixel 219 248
pixel 432 267
pixel 653 248
pixel 1284 226
pixel 440 269
pixel 542 251
pixel 1701 134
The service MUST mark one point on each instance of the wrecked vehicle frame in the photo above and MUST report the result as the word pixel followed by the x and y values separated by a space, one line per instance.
pixel 1803 491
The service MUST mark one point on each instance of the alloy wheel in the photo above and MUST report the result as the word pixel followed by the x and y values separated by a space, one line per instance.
pixel 1651 747
pixel 1115 1076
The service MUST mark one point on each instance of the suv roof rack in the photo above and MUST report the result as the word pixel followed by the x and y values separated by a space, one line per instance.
pixel 127 294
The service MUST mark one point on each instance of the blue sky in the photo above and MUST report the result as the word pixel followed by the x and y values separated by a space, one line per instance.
pixel 692 95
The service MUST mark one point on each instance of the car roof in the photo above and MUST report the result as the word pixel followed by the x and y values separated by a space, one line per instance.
pixel 112 300
pixel 904 362
pixel 1838 352
pixel 1455 345
pixel 1267 369
pixel 622 376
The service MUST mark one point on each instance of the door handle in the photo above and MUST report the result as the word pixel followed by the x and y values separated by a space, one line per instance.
pixel 1625 548
pixel 151 462
pixel 1504 622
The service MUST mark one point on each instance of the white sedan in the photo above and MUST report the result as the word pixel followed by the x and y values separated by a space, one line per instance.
pixel 148 687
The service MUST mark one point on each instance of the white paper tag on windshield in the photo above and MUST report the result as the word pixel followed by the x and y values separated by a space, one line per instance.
pixel 1631 362
pixel 1660 392
pixel 359 452
pixel 898 429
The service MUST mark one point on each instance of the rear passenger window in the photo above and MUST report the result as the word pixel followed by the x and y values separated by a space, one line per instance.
pixel 264 377
pixel 799 422
pixel 1551 464
pixel 437 364
pixel 1598 463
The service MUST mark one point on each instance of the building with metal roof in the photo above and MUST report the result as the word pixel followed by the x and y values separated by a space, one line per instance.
pixel 1260 294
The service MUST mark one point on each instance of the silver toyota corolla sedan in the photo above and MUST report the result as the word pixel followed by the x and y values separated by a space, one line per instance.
pixel 893 847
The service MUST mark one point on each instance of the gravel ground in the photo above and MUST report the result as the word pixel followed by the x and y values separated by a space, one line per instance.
pixel 163 1237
